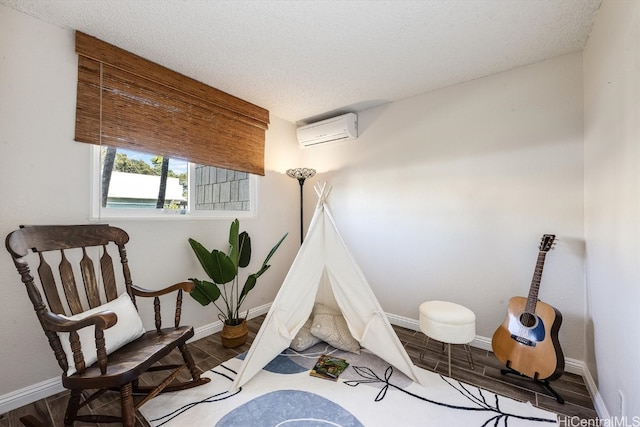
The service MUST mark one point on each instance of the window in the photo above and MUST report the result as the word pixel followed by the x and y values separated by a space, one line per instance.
pixel 128 183
pixel 127 103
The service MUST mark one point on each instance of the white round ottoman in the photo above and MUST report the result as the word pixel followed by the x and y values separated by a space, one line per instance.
pixel 448 323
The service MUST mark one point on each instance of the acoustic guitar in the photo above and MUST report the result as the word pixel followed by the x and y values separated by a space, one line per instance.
pixel 527 341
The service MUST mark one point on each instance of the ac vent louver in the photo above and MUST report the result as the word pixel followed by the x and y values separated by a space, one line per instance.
pixel 340 128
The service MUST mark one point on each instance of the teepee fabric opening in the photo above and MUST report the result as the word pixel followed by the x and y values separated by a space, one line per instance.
pixel 325 272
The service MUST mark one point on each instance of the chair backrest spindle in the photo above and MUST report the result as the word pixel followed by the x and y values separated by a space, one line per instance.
pixel 108 275
pixel 125 265
pixel 69 284
pixel 89 280
pixel 49 286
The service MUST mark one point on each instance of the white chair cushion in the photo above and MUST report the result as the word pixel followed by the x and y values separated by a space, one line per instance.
pixel 447 312
pixel 127 328
pixel 447 322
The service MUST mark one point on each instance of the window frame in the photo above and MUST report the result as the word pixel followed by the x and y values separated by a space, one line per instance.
pixel 97 212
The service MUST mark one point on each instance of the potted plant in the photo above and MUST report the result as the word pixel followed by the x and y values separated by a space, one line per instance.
pixel 223 270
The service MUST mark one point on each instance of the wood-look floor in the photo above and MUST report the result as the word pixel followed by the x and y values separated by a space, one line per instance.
pixel 208 353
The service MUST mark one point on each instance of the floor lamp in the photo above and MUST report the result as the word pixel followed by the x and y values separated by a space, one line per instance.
pixel 301 174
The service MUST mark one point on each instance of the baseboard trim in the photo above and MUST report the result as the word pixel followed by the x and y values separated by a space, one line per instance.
pixel 403 322
pixel 598 402
pixel 32 393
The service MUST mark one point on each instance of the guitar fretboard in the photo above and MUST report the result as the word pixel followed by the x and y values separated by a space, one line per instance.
pixel 532 299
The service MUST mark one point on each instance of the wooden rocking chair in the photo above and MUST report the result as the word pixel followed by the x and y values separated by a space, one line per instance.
pixel 66 325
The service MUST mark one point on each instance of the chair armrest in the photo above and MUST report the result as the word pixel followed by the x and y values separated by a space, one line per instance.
pixel 156 294
pixel 102 320
pixel 55 323
pixel 142 292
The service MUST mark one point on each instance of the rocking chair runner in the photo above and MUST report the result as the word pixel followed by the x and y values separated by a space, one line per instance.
pixel 114 370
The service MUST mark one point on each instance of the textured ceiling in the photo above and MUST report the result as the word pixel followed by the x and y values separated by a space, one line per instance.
pixel 307 60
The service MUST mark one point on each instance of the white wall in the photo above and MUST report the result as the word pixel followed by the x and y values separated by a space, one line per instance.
pixel 612 203
pixel 44 178
pixel 446 195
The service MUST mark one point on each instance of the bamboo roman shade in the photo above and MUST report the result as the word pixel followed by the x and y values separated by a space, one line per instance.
pixel 128 102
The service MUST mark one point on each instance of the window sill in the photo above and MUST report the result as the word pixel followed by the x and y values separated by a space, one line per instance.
pixel 144 214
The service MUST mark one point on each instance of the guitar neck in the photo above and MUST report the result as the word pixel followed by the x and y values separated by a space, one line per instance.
pixel 532 299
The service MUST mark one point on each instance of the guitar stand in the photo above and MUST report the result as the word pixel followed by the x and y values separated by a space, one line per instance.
pixel 544 383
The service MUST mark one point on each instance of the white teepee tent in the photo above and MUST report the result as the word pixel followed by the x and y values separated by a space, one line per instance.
pixel 324 271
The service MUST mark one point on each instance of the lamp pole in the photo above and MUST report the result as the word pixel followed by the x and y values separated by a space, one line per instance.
pixel 301 174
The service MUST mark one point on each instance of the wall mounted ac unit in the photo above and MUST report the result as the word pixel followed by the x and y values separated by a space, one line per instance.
pixel 339 128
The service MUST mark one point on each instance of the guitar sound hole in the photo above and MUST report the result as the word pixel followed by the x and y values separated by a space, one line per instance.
pixel 528 320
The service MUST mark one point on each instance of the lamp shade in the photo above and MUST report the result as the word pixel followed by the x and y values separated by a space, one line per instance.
pixel 301 173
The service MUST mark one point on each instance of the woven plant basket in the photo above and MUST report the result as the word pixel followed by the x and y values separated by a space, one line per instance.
pixel 234 335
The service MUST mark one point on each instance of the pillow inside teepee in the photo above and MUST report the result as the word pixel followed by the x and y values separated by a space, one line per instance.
pixel 330 326
pixel 304 338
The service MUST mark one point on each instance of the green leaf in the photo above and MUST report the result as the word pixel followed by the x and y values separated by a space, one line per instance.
pixel 199 296
pixel 218 266
pixel 274 249
pixel 252 281
pixel 248 285
pixel 204 256
pixel 234 245
pixel 224 270
pixel 205 292
pixel 245 249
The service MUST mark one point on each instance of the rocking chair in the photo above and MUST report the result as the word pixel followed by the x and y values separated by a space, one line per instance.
pixel 96 334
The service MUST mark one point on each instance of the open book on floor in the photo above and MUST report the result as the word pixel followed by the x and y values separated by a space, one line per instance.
pixel 329 367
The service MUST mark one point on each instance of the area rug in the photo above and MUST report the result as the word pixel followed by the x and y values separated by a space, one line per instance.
pixel 368 393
